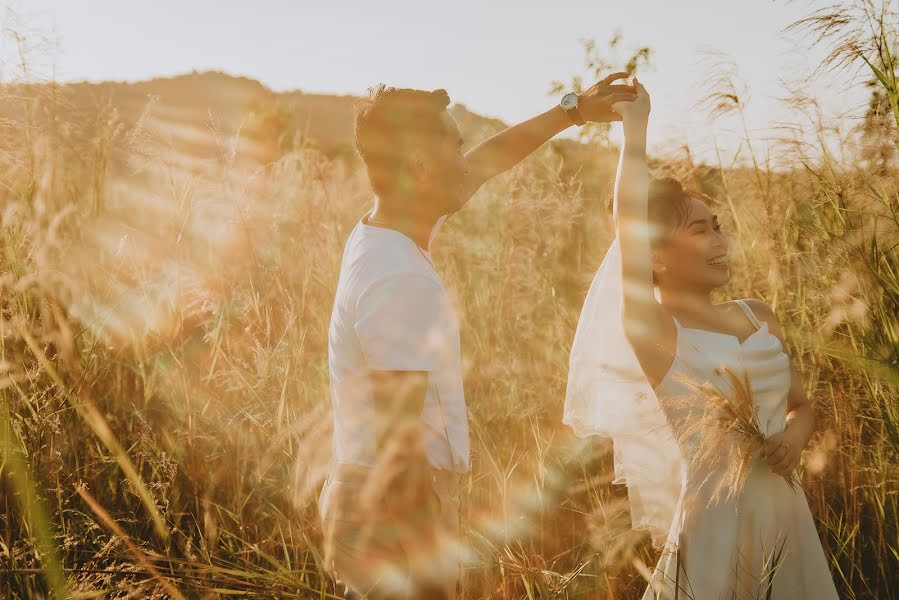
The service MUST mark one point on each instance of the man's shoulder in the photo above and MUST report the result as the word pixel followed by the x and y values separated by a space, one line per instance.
pixel 375 256
pixel 400 283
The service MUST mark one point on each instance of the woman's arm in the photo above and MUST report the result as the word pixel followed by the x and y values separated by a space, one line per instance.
pixel 783 450
pixel 641 314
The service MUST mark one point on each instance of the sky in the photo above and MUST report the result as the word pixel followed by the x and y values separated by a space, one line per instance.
pixel 497 57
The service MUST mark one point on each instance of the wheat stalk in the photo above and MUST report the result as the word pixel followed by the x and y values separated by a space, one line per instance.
pixel 729 432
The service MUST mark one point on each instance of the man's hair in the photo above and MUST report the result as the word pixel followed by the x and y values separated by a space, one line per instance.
pixel 391 122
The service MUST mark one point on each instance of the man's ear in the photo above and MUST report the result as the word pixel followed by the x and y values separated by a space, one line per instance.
pixel 410 174
pixel 417 168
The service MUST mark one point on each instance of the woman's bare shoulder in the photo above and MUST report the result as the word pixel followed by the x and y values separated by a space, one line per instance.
pixel 764 313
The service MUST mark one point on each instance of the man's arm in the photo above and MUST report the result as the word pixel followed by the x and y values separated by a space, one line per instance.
pixel 510 146
pixel 399 327
pixel 399 398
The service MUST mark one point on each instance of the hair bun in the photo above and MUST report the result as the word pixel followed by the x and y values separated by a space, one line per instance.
pixel 667 188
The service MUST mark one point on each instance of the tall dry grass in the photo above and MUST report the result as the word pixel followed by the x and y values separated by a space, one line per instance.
pixel 163 357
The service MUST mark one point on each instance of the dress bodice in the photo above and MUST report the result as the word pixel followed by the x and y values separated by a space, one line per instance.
pixel 702 355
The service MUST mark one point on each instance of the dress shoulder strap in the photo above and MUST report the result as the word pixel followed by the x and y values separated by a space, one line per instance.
pixel 749 314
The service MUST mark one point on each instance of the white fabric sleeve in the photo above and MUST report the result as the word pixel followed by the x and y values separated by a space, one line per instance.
pixel 401 324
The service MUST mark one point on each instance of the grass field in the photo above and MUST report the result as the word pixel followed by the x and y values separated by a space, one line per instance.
pixel 166 282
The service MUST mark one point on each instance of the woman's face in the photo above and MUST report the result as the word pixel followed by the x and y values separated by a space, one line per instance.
pixel 695 255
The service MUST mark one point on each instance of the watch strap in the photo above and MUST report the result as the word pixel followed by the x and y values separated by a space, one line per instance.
pixel 575 115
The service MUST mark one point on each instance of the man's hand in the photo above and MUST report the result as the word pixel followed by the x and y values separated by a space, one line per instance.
pixel 401 464
pixel 595 104
pixel 510 146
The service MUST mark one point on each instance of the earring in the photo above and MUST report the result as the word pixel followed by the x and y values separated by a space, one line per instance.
pixel 663 269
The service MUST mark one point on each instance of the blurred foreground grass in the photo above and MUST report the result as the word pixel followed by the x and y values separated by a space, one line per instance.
pixel 166 286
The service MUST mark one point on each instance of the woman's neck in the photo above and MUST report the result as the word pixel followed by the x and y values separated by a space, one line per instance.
pixel 694 305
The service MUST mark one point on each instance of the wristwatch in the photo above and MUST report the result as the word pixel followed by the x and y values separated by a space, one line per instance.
pixel 569 105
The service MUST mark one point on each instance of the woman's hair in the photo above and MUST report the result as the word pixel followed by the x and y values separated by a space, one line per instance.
pixel 668 209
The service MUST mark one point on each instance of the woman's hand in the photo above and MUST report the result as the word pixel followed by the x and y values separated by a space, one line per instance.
pixel 636 112
pixel 782 452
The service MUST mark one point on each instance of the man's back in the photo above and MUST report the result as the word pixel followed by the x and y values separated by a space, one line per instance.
pixel 391 313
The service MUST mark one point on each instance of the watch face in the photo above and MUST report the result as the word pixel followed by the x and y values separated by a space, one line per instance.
pixel 569 101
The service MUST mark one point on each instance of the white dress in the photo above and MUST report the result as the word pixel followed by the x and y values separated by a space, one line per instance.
pixel 725 550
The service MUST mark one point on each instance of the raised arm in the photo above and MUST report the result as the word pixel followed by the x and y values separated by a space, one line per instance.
pixel 641 314
pixel 512 145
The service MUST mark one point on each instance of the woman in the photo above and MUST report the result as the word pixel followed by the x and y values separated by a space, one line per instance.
pixel 653 365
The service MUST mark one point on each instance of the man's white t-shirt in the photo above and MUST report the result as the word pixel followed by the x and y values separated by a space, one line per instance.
pixel 392 313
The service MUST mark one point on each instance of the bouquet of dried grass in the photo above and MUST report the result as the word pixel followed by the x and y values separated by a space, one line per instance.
pixel 729 434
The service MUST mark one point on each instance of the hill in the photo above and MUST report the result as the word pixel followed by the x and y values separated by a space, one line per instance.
pixel 196 111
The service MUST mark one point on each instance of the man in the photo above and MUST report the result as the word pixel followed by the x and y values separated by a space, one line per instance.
pixel 390 507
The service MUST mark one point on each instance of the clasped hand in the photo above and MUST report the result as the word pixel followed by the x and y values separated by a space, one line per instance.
pixel 596 103
pixel 782 452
